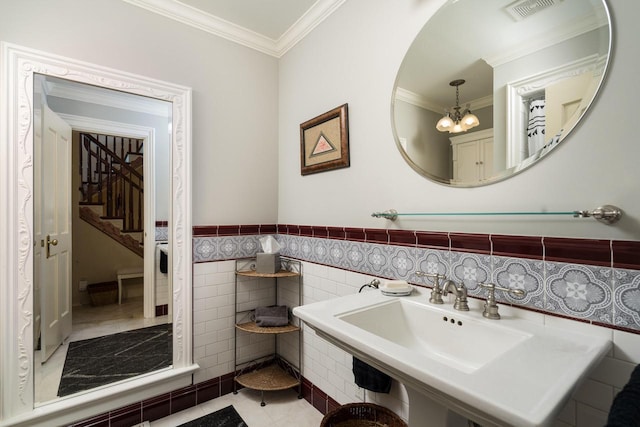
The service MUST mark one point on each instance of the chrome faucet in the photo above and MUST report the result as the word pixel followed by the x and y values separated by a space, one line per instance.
pixel 375 283
pixel 460 291
pixel 436 292
pixel 490 306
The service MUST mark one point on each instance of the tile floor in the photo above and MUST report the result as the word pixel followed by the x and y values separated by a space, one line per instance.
pixel 88 322
pixel 283 409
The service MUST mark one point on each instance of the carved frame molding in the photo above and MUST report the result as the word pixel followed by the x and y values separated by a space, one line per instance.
pixel 18 66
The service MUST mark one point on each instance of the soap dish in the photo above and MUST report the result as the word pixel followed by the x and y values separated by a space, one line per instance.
pixel 396 288
pixel 397 294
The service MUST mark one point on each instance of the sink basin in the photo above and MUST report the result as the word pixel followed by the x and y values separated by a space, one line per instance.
pixel 461 341
pixel 511 371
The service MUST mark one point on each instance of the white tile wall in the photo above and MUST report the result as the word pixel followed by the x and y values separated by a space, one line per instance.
pixel 329 368
pixel 213 329
pixel 214 318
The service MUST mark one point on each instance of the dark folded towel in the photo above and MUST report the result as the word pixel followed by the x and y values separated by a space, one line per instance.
pixel 625 411
pixel 275 315
pixel 370 378
pixel 164 261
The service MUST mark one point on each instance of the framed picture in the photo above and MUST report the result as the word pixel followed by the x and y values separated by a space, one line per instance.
pixel 324 142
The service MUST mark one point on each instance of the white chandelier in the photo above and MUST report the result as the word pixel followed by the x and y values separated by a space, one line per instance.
pixel 455 121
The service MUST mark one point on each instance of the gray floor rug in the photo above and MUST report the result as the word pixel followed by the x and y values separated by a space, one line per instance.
pixel 104 360
pixel 225 417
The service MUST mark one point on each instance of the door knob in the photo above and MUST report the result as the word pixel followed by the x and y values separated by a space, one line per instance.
pixel 50 242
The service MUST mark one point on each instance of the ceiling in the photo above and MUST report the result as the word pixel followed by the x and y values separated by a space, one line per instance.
pixel 270 26
pixel 271 18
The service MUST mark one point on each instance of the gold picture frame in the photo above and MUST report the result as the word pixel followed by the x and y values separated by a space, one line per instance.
pixel 324 142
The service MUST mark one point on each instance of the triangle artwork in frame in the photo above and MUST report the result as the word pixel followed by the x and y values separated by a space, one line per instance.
pixel 324 142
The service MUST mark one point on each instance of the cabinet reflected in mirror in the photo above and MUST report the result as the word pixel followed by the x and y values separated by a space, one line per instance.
pixel 102 311
pixel 530 75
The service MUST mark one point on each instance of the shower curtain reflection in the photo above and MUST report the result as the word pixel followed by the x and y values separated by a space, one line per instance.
pixel 536 126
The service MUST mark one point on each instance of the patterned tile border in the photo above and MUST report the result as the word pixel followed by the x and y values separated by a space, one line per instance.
pixel 583 279
pixel 162 233
pixel 619 254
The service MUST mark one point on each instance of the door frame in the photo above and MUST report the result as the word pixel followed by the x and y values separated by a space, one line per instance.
pixel 94 125
pixel 517 91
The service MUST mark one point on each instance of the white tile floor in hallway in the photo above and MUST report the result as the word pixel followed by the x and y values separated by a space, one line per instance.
pixel 89 322
pixel 283 409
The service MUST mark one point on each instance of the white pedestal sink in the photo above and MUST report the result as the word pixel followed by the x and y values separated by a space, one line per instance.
pixel 494 372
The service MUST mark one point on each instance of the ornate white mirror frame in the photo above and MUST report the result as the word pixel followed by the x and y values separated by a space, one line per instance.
pixel 18 67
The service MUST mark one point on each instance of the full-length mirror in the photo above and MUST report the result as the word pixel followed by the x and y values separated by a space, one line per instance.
pixel 101 283
pixel 475 106
pixel 76 135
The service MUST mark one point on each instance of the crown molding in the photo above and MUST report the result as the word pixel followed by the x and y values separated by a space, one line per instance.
pixel 114 99
pixel 417 100
pixel 316 14
pixel 561 34
pixel 422 102
pixel 174 9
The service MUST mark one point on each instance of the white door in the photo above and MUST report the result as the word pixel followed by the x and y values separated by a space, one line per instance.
pixel 55 274
pixel 566 101
pixel 466 162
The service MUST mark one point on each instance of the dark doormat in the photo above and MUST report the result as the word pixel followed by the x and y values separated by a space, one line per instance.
pixel 104 360
pixel 225 417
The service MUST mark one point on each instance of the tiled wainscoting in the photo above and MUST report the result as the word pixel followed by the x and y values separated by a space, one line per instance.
pixel 588 280
pixel 591 286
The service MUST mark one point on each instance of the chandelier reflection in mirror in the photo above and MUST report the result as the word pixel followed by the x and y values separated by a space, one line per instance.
pixel 456 121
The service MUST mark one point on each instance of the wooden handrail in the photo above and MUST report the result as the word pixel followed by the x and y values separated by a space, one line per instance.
pixel 117 181
pixel 114 156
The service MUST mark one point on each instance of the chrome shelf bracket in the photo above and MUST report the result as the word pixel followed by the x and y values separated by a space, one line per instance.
pixel 607 214
pixel 390 214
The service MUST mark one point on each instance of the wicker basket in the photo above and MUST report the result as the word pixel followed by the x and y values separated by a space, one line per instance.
pixel 103 293
pixel 362 415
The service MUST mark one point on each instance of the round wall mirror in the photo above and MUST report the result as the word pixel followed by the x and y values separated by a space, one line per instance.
pixel 489 88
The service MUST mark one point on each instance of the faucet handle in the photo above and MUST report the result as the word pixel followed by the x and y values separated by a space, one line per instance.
pixel 436 292
pixel 515 292
pixel 435 276
pixel 460 291
pixel 491 306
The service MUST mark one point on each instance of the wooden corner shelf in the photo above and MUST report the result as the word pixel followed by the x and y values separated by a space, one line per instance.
pixel 281 273
pixel 269 378
pixel 274 376
pixel 255 329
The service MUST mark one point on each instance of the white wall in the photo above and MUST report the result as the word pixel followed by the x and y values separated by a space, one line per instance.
pixel 415 124
pixel 235 91
pixel 354 56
